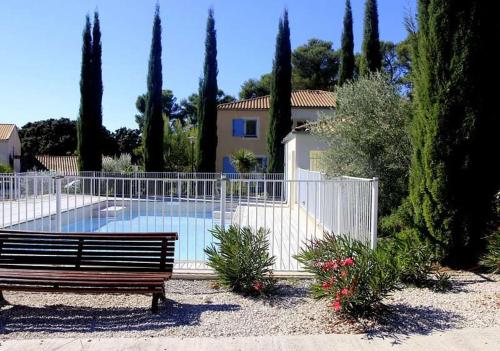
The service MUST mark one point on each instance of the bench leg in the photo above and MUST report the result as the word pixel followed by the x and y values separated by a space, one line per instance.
pixel 2 299
pixel 156 298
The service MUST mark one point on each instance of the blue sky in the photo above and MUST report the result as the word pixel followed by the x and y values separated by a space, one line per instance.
pixel 40 45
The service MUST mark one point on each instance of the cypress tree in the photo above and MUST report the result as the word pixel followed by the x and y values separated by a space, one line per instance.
pixel 97 90
pixel 347 54
pixel 371 58
pixel 153 117
pixel 280 111
pixel 85 134
pixel 207 108
pixel 452 184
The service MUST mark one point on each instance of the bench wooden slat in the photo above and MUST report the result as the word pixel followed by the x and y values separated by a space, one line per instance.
pixel 103 275
pixel 78 290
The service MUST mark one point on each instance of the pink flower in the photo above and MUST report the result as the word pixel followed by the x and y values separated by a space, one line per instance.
pixel 336 306
pixel 343 274
pixel 326 285
pixel 345 291
pixel 330 265
pixel 348 262
pixel 258 286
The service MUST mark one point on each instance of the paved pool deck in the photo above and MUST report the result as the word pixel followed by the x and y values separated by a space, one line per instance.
pixel 484 339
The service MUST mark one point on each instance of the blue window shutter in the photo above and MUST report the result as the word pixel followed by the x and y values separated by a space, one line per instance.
pixel 227 165
pixel 238 127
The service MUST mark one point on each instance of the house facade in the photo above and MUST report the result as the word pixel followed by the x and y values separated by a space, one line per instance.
pixel 10 146
pixel 244 124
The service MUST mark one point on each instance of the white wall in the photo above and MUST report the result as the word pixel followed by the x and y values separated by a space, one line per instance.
pixel 308 114
pixel 305 143
pixel 11 147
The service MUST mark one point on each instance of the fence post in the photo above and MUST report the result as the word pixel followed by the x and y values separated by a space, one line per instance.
pixel 374 217
pixel 58 180
pixel 223 201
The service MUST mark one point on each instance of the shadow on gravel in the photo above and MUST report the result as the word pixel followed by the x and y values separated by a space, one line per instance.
pixel 403 321
pixel 61 319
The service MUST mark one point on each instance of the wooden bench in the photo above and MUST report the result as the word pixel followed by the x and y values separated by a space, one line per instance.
pixel 117 263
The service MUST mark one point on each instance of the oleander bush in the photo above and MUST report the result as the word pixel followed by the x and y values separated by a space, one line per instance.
pixel 241 259
pixel 353 277
pixel 491 259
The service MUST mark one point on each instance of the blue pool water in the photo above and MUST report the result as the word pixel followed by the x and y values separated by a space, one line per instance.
pixel 192 222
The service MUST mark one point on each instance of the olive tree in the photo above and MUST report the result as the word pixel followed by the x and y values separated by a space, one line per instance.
pixel 367 136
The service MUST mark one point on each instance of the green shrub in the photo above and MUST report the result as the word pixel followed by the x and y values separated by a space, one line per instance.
pixel 349 274
pixel 491 260
pixel 414 258
pixel 399 220
pixel 441 282
pixel 241 259
pixel 5 168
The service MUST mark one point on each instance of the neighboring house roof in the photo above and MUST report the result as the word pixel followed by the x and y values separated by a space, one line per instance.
pixel 300 99
pixel 6 131
pixel 60 164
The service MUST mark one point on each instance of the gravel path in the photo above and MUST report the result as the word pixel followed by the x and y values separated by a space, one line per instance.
pixel 197 309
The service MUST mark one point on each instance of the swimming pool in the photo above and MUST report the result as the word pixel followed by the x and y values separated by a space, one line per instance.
pixel 193 222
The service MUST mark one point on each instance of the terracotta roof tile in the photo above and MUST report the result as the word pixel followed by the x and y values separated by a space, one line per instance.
pixel 60 164
pixel 300 99
pixel 6 130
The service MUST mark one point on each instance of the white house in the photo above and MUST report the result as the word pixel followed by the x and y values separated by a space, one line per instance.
pixel 302 150
pixel 10 146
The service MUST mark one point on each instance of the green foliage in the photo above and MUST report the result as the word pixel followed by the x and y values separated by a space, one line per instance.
pixel 5 168
pixel 127 140
pixel 441 282
pixel 89 124
pixel 371 59
pixel 207 113
pixel 349 274
pixel 253 88
pixel 48 137
pixel 347 51
pixel 244 160
pixel 122 163
pixel 396 63
pixel 153 114
pixel 455 127
pixel 280 112
pixel 241 259
pixel 399 220
pixel 491 259
pixel 178 149
pixel 98 141
pixel 367 136
pixel 315 65
pixel 414 257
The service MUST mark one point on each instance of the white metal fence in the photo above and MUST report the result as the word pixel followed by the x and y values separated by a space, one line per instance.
pixel 292 211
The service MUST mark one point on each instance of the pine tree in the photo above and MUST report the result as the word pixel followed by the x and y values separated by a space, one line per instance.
pixel 85 136
pixel 280 110
pixel 207 108
pixel 347 54
pixel 97 90
pixel 452 184
pixel 371 58
pixel 153 117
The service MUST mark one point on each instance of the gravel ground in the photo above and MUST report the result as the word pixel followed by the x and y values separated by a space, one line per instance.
pixel 195 308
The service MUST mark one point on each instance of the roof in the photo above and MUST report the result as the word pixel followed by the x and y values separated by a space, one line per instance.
pixel 59 164
pixel 302 129
pixel 6 130
pixel 300 99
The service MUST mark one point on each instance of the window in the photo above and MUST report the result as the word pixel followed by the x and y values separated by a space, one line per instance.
pixel 245 128
pixel 251 128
